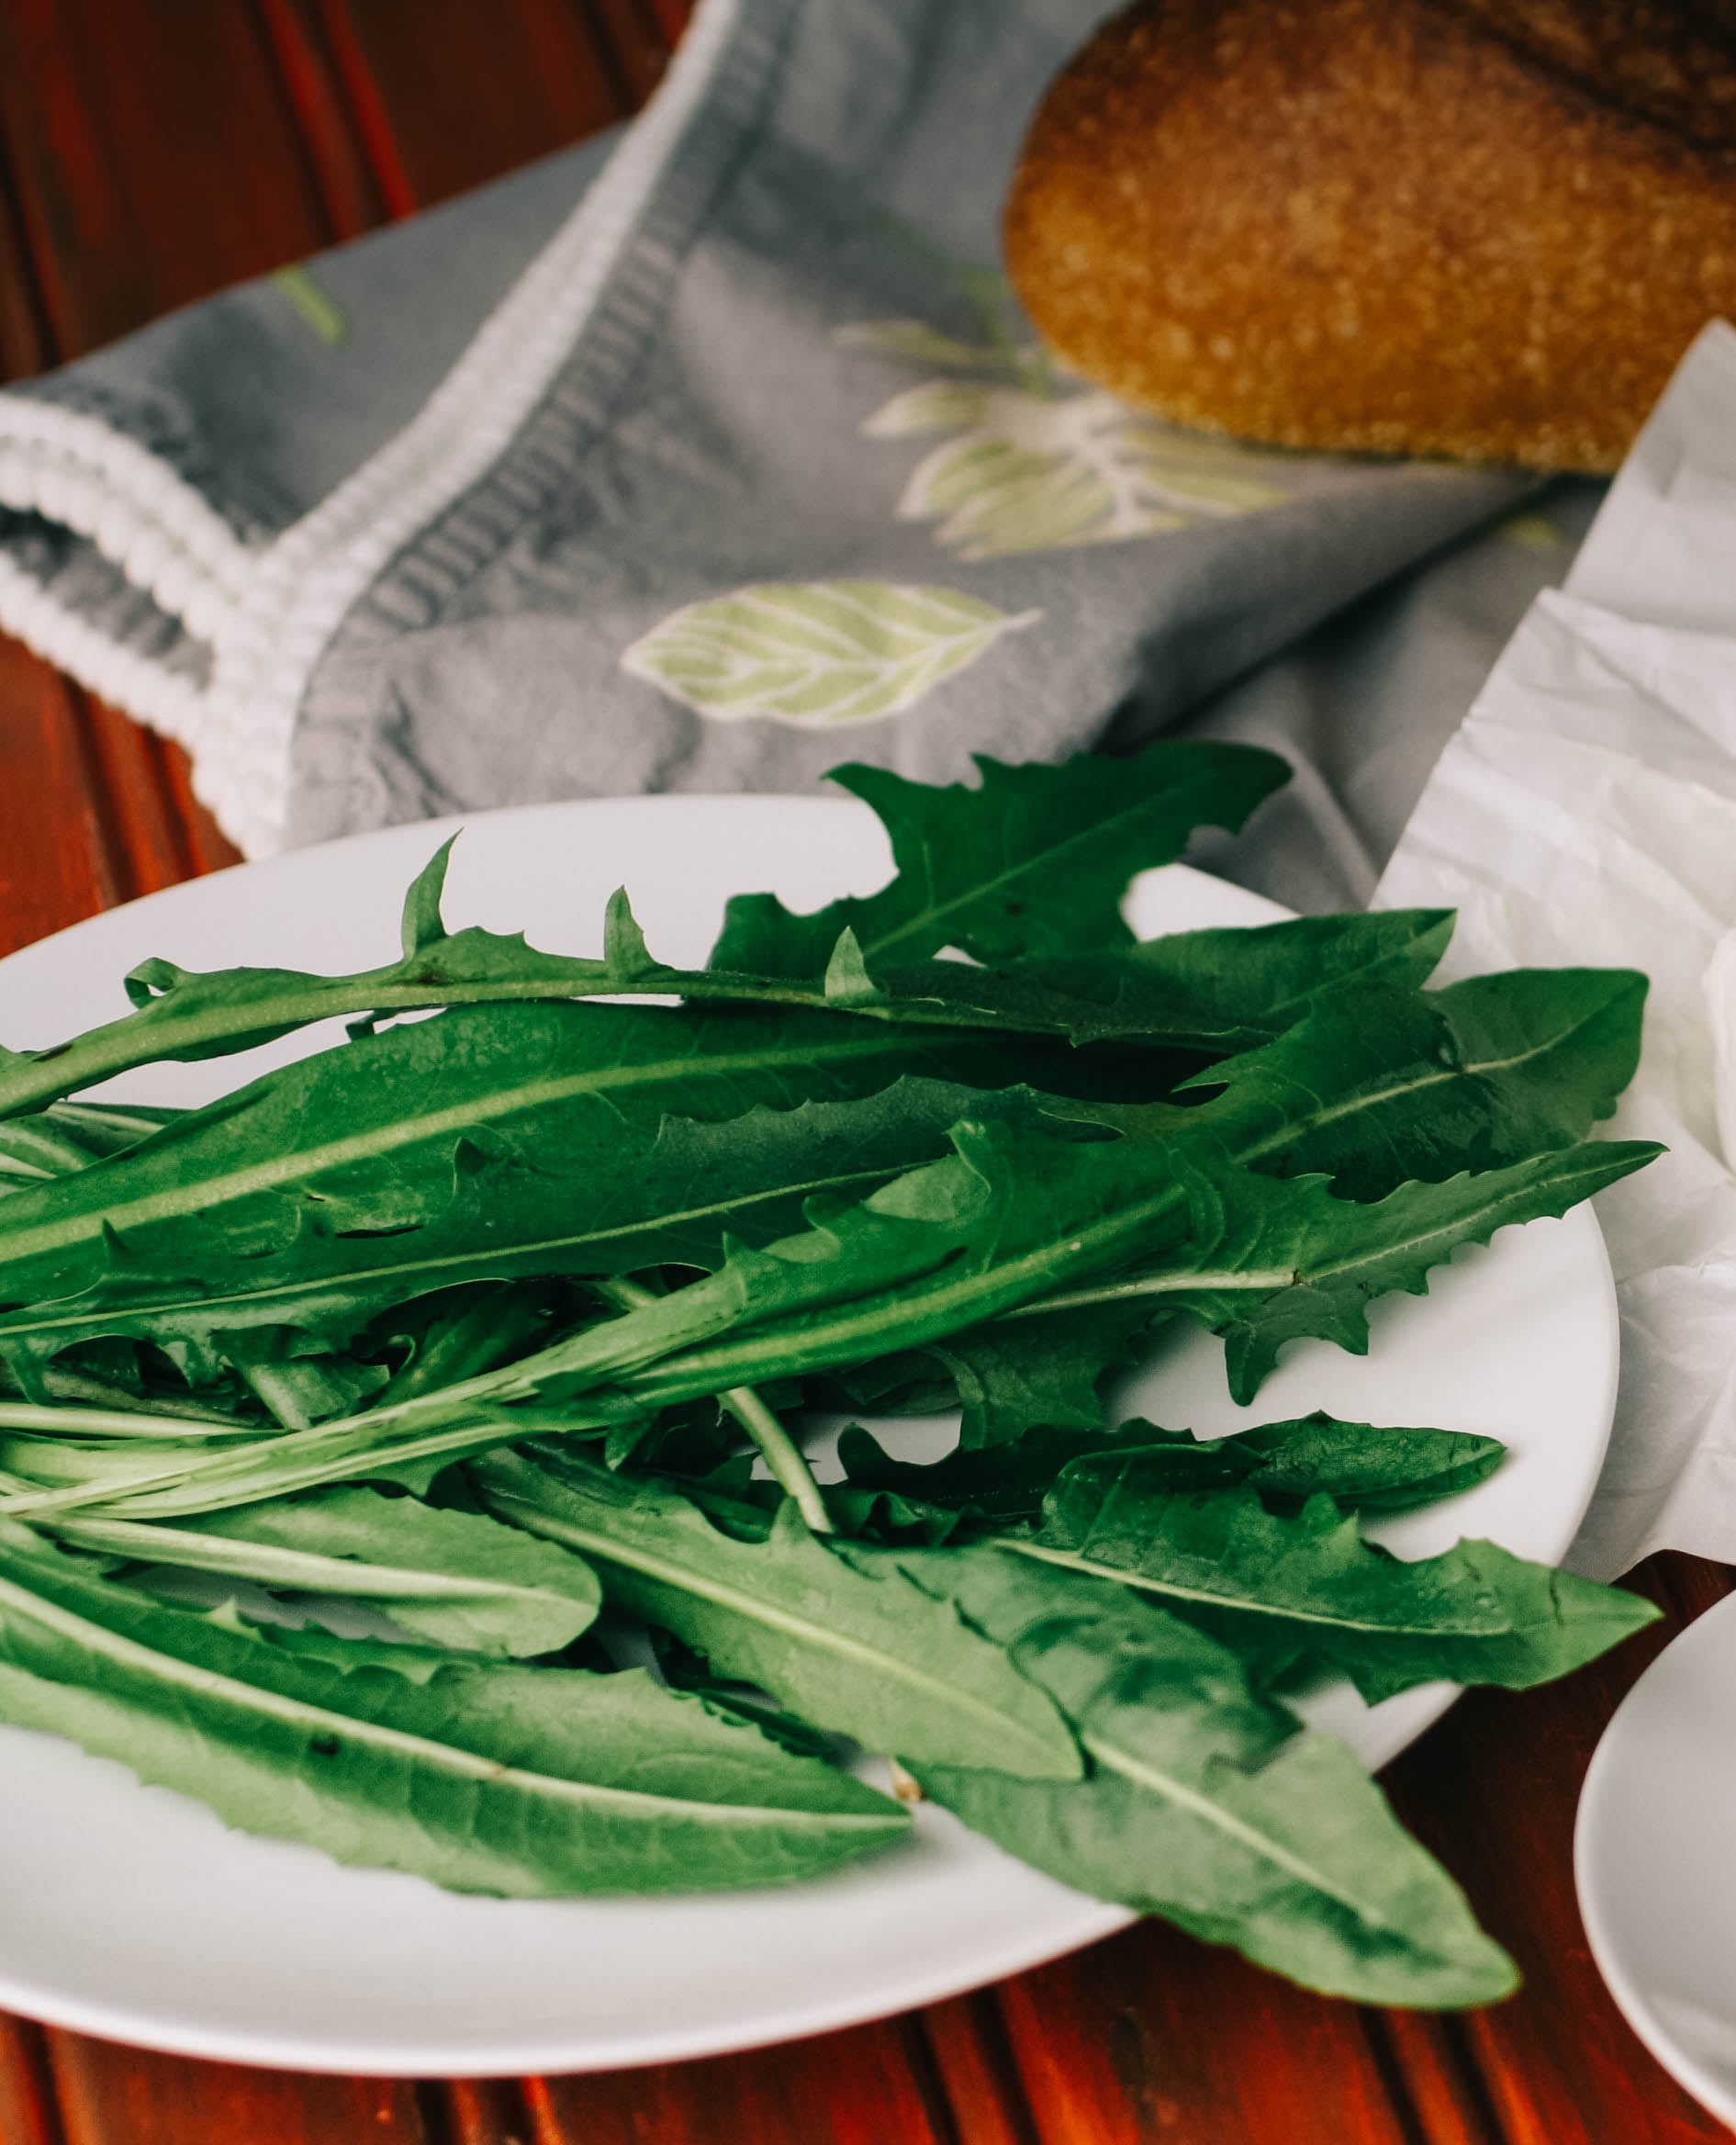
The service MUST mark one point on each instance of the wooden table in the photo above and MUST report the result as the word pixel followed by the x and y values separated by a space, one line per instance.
pixel 151 151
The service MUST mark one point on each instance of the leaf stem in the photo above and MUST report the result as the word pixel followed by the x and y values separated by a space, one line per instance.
pixel 1123 1288
pixel 779 1451
pixel 781 1454
pixel 144 1422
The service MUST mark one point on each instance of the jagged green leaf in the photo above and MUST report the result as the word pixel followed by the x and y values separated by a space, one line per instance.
pixel 1205 1806
pixel 669 1192
pixel 850 1644
pixel 1362 1467
pixel 1286 1259
pixel 1196 995
pixel 1015 1374
pixel 1013 1222
pixel 181 1016
pixel 1226 990
pixel 1034 860
pixel 364 1137
pixel 1308 1587
pixel 996 1486
pixel 1013 1227
pixel 1378 1086
pixel 1355 1464
pixel 484 1778
pixel 454 1579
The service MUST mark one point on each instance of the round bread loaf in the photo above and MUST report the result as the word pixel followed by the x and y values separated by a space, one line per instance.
pixel 1392 225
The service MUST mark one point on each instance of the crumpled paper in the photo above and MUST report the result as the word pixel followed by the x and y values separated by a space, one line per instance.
pixel 1585 814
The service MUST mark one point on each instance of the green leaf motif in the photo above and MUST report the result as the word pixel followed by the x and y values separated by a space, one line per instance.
pixel 1032 470
pixel 817 655
pixel 316 307
pixel 918 342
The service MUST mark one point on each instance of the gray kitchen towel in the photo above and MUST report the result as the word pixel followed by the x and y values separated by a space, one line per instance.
pixel 709 457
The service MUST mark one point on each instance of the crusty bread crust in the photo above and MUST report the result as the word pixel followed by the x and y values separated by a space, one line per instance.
pixel 1672 61
pixel 1366 224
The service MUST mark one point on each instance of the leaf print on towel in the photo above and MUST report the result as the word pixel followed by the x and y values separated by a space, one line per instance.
pixel 316 307
pixel 817 653
pixel 1041 463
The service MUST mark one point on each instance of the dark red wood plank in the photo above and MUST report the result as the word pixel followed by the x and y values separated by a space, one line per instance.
pixel 1151 2036
pixel 1493 1790
pixel 635 42
pixel 484 2111
pixel 55 863
pixel 155 156
pixel 964 2043
pixel 25 344
pixel 147 843
pixel 92 809
pixel 446 94
pixel 112 2095
pixel 349 191
pixel 672 18
pixel 209 848
pixel 854 2088
pixel 1434 2078
pixel 28 2111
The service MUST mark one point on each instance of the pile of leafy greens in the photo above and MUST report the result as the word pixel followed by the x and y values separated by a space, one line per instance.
pixel 335 1415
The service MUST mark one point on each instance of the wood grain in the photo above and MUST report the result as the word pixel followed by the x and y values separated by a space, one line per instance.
pixel 486 2111
pixel 56 861
pixel 631 42
pixel 29 2112
pixel 111 2096
pixel 349 189
pixel 1132 2040
pixel 446 94
pixel 854 2088
pixel 26 341
pixel 1493 1790
pixel 155 154
pixel 964 2043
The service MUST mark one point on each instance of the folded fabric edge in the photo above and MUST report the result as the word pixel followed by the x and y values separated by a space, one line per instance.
pixel 269 615
pixel 154 694
pixel 309 580
pixel 167 539
pixel 143 515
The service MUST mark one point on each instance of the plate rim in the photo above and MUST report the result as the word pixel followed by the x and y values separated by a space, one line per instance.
pixel 567 2050
pixel 1703 2085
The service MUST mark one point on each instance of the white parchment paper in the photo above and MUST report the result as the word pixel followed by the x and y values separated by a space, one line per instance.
pixel 1585 812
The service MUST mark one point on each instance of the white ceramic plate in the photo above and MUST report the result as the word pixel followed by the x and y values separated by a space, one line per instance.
pixel 132 1911
pixel 1652 1854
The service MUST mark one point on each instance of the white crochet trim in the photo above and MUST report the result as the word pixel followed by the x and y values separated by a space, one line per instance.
pixel 159 531
pixel 270 613
pixel 305 583
pixel 164 698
